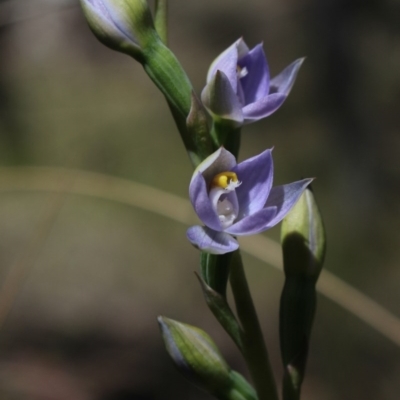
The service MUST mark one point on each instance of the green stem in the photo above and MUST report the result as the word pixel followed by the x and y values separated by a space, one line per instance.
pixel 215 271
pixel 223 133
pixel 297 310
pixel 166 72
pixel 254 349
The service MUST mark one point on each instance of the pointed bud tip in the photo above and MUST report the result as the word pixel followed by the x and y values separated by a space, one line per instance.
pixel 303 237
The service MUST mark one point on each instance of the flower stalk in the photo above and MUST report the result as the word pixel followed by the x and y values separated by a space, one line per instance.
pixel 214 270
pixel 254 349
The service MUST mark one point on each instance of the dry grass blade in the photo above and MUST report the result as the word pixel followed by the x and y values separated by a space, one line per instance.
pixel 19 270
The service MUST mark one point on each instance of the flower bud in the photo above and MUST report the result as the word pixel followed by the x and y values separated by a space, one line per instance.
pixel 303 245
pixel 127 26
pixel 123 25
pixel 196 356
pixel 303 238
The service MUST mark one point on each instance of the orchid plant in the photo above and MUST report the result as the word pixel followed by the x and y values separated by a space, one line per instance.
pixel 231 199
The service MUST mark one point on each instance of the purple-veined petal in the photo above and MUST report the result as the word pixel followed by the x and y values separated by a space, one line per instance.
pixel 263 108
pixel 255 80
pixel 227 62
pixel 256 176
pixel 255 223
pixel 220 99
pixel 201 203
pixel 283 82
pixel 219 161
pixel 284 197
pixel 211 241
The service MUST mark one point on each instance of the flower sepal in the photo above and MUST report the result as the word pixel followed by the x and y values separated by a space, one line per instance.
pixel 222 102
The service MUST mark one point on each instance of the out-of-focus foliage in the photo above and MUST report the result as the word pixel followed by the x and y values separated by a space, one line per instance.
pixel 82 319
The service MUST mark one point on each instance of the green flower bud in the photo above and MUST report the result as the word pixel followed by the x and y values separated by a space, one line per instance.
pixel 303 238
pixel 123 25
pixel 303 245
pixel 196 356
pixel 127 26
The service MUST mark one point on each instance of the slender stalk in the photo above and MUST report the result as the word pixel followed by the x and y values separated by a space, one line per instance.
pixel 254 349
pixel 224 134
pixel 214 270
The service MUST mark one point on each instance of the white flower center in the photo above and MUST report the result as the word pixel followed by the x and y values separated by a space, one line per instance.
pixel 226 213
pixel 223 184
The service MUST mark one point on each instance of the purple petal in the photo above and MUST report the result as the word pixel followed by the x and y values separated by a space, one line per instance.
pixel 256 175
pixel 201 203
pixel 255 82
pixel 227 62
pixel 211 241
pixel 255 223
pixel 284 198
pixel 219 161
pixel 220 99
pixel 263 108
pixel 283 82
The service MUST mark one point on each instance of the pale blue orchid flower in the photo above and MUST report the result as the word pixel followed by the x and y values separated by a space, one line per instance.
pixel 237 200
pixel 239 87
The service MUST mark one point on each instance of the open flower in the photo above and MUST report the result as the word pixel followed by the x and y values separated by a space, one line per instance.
pixel 239 87
pixel 237 199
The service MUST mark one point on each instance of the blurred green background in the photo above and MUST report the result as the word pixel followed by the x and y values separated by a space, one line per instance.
pixel 83 279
